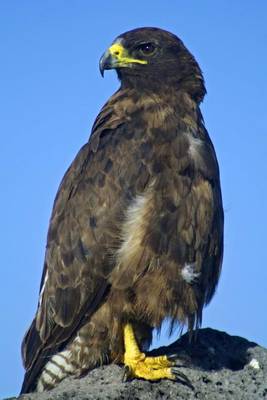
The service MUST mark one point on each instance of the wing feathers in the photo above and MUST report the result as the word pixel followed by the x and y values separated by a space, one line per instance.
pixel 76 263
pixel 137 198
pixel 67 304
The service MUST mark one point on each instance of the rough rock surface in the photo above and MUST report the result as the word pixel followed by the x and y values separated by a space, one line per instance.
pixel 220 367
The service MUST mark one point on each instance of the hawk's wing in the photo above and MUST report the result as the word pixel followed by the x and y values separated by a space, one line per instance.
pixel 82 230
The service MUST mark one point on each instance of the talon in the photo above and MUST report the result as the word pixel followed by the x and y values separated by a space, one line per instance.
pixel 173 357
pixel 126 374
pixel 182 377
pixel 174 361
pixel 180 365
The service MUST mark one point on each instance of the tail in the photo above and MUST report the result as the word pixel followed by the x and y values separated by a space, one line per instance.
pixel 34 357
pixel 58 367
pixel 74 360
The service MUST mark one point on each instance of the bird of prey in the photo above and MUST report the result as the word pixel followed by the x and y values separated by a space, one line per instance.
pixel 136 232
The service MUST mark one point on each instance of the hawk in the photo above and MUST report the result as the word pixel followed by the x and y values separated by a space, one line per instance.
pixel 136 232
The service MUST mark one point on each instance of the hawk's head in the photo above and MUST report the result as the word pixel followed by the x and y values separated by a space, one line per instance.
pixel 150 59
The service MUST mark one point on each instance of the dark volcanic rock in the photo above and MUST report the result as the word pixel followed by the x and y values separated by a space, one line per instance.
pixel 220 367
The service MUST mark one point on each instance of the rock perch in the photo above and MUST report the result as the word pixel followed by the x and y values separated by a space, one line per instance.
pixel 220 367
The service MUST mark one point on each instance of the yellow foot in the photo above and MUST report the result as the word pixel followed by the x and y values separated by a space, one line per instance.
pixel 150 368
pixel 138 365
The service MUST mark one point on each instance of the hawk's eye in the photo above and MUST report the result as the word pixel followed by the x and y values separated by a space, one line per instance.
pixel 147 49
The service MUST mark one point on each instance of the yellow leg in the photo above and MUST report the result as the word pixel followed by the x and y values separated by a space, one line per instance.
pixel 140 366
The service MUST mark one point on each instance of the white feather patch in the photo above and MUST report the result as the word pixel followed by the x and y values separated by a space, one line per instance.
pixel 188 273
pixel 132 231
pixel 195 145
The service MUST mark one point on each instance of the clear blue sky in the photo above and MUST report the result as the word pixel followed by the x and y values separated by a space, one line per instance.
pixel 51 91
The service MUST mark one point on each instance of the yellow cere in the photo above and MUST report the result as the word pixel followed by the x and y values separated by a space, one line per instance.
pixel 120 53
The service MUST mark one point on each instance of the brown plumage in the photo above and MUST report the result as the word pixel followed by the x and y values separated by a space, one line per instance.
pixel 136 232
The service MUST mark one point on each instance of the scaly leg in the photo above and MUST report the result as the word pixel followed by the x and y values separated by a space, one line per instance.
pixel 149 368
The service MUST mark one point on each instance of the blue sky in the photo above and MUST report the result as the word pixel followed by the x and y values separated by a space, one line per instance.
pixel 51 91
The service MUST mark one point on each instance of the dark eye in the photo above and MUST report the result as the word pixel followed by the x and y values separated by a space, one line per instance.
pixel 147 49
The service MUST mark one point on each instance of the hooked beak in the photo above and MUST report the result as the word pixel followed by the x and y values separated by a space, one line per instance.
pixel 106 62
pixel 117 56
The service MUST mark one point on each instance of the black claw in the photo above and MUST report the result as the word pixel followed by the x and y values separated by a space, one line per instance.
pixel 182 377
pixel 172 357
pixel 180 365
pixel 126 374
pixel 175 358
